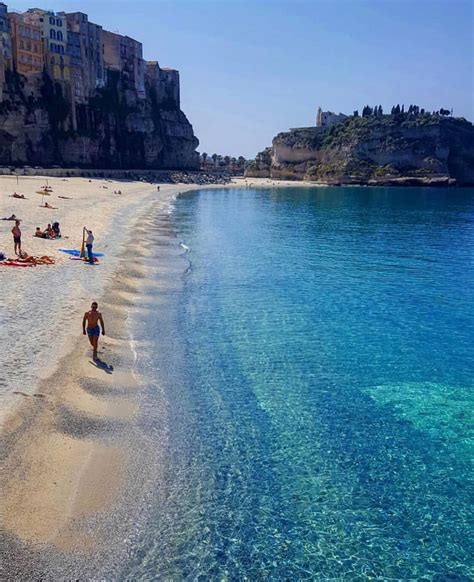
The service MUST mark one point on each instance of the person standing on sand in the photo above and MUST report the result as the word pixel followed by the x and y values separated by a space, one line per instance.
pixel 89 244
pixel 92 319
pixel 16 232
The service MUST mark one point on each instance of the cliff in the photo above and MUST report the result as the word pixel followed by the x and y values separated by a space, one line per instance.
pixel 388 149
pixel 40 124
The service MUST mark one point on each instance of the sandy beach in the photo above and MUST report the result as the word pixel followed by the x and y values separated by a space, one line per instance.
pixel 67 421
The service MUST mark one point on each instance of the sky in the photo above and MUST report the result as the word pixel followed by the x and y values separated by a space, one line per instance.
pixel 252 68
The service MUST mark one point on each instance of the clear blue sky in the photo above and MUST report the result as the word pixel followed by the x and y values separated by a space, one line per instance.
pixel 252 68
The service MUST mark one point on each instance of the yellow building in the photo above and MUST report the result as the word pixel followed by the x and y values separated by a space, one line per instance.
pixel 54 35
pixel 27 48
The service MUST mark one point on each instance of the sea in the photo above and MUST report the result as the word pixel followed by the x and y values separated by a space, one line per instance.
pixel 308 369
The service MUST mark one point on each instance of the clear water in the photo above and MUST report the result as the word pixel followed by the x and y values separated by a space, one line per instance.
pixel 310 386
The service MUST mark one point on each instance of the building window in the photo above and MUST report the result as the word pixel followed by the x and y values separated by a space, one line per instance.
pixel 60 35
pixel 59 22
pixel 52 34
pixel 51 20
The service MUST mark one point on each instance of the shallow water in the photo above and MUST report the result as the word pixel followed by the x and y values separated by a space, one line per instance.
pixel 309 386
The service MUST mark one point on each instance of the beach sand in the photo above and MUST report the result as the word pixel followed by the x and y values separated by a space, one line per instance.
pixel 69 427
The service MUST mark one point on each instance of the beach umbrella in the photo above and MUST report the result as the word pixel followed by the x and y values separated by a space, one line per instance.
pixel 43 192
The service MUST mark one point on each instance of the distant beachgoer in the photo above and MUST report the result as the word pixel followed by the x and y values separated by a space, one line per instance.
pixel 16 232
pixel 92 319
pixel 12 217
pixel 89 244
pixel 158 188
pixel 21 196
pixel 39 233
pixel 46 205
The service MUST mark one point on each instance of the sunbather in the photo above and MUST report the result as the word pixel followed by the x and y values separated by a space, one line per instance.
pixel 46 205
pixel 15 195
pixel 12 217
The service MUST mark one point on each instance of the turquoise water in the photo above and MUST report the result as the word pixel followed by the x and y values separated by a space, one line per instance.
pixel 310 386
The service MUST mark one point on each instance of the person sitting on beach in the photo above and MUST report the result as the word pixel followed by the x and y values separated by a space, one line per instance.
pixel 39 233
pixel 92 319
pixel 49 232
pixel 56 230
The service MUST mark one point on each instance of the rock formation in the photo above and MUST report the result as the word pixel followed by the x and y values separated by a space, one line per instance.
pixel 389 149
pixel 41 125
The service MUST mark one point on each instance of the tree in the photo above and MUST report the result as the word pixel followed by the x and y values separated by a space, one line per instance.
pixel 214 159
pixel 227 160
pixel 204 158
pixel 422 111
pixel 403 109
pixel 356 113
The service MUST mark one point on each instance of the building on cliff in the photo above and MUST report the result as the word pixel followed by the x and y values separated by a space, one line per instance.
pixel 125 55
pixel 27 47
pixel 328 118
pixel 54 35
pixel 85 49
pixel 165 84
pixel 5 44
pixel 98 105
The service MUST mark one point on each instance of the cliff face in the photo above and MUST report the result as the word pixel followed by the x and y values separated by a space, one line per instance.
pixel 388 149
pixel 40 125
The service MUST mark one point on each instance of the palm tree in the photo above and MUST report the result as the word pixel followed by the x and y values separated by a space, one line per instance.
pixel 204 159
pixel 214 159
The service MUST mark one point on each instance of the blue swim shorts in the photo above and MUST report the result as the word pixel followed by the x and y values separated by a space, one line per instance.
pixel 93 331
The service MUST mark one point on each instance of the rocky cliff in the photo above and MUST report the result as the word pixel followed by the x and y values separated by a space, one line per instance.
pixel 386 149
pixel 41 125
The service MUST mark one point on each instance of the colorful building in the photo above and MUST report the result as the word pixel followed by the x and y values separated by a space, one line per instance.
pixel 125 55
pixel 27 47
pixel 54 35
pixel 88 41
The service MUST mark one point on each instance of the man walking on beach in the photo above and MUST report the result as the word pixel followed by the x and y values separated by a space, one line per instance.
pixel 89 243
pixel 16 232
pixel 92 318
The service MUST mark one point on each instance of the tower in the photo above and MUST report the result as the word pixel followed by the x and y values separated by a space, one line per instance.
pixel 318 117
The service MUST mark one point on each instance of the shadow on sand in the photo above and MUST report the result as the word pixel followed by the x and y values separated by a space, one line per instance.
pixel 98 363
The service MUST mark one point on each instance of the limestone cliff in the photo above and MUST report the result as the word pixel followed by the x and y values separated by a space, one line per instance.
pixel 41 125
pixel 388 149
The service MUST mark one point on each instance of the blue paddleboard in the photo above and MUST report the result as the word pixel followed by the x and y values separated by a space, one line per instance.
pixel 75 253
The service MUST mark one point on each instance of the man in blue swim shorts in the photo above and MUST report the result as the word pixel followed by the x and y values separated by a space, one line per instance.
pixel 92 319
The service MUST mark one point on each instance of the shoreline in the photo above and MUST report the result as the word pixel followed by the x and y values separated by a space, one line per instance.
pixel 66 453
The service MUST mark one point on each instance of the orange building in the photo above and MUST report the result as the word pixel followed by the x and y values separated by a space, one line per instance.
pixel 27 47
